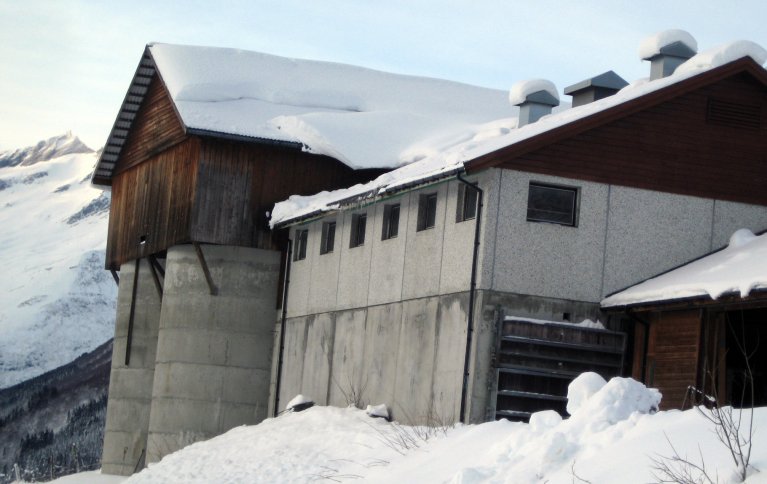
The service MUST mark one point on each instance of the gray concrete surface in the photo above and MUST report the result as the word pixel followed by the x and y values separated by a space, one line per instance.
pixel 214 353
pixel 130 386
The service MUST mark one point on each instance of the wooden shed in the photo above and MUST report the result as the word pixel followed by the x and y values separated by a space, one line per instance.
pixel 699 349
pixel 172 184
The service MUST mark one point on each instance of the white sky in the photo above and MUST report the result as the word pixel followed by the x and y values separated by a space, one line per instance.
pixel 66 64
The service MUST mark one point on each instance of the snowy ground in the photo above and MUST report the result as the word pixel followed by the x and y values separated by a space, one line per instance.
pixel 612 437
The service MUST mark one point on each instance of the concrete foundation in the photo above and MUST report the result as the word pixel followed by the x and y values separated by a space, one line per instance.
pixel 130 386
pixel 200 364
pixel 214 352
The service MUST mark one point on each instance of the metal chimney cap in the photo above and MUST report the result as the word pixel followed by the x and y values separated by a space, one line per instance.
pixel 607 80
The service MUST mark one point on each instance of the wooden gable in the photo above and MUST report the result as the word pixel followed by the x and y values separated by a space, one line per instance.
pixel 705 136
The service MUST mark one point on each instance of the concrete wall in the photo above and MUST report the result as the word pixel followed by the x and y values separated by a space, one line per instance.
pixel 624 235
pixel 130 386
pixel 214 353
pixel 414 264
pixel 407 354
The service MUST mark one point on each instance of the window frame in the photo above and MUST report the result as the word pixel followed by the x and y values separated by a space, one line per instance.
pixel 357 235
pixel 427 211
pixel 301 242
pixel 463 202
pixel 575 205
pixel 328 237
pixel 390 224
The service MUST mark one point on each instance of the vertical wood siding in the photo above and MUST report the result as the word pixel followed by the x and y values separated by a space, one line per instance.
pixel 670 147
pixel 673 352
pixel 154 200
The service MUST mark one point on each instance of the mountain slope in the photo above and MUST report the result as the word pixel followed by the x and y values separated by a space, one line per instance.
pixel 44 151
pixel 56 300
pixel 54 413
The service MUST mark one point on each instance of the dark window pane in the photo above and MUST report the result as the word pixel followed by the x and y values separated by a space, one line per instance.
pixel 467 203
pixel 299 251
pixel 390 222
pixel 427 211
pixel 358 230
pixel 328 237
pixel 551 204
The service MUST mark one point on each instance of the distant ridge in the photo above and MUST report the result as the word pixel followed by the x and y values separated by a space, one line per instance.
pixel 44 150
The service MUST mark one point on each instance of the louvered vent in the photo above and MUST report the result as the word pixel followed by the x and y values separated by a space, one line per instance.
pixel 735 115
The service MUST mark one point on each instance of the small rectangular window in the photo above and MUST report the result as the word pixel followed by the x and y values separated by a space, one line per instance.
pixel 359 220
pixel 390 221
pixel 466 208
pixel 427 211
pixel 299 251
pixel 552 204
pixel 328 237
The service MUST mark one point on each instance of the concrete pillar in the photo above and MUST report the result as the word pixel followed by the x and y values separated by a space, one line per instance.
pixel 130 386
pixel 214 352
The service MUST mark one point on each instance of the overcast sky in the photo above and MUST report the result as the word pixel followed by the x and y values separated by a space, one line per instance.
pixel 65 65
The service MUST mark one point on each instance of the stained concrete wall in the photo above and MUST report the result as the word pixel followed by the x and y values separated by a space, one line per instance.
pixel 408 355
pixel 214 353
pixel 130 386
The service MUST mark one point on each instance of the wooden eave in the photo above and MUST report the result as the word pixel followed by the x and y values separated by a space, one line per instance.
pixel 131 104
pixel 619 111
pixel 729 301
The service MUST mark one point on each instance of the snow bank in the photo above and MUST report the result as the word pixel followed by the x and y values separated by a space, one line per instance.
pixel 611 438
pixel 739 268
pixel 651 46
pixel 520 90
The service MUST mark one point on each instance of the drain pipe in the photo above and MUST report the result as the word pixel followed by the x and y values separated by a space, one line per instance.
pixel 472 290
pixel 285 286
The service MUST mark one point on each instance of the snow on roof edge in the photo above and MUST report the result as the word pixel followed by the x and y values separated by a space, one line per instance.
pixel 458 155
pixel 740 268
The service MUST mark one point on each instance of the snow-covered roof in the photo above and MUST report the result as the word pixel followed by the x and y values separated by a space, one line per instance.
pixel 444 155
pixel 361 117
pixel 739 269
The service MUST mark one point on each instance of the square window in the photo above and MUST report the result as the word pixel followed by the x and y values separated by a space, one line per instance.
pixel 328 237
pixel 552 204
pixel 359 220
pixel 302 237
pixel 390 221
pixel 466 208
pixel 427 211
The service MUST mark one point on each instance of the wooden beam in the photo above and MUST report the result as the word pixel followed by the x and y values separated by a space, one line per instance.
pixel 205 270
pixel 115 276
pixel 132 312
pixel 155 278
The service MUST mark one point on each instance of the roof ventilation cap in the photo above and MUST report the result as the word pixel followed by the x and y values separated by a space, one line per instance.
pixel 598 87
pixel 666 51
pixel 535 98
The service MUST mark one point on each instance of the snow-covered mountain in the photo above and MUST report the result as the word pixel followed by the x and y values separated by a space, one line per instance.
pixel 56 299
pixel 44 150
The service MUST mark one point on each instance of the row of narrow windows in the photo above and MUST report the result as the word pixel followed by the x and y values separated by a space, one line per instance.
pixel 546 203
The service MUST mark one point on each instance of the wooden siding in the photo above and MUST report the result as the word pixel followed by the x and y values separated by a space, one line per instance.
pixel 239 182
pixel 152 200
pixel 673 352
pixel 667 147
pixel 155 128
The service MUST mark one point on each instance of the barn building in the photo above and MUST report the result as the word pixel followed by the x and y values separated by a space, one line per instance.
pixel 285 227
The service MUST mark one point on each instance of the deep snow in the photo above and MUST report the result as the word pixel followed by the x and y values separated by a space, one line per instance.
pixel 612 437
